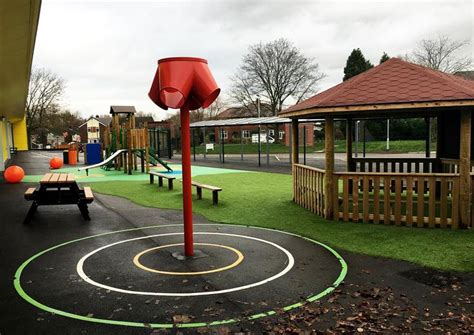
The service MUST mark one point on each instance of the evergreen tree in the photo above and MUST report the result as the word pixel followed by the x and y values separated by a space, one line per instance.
pixel 384 58
pixel 355 64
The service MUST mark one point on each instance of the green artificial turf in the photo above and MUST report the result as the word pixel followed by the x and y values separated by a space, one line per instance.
pixel 264 199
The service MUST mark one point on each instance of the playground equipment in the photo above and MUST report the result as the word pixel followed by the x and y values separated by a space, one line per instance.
pixel 55 163
pixel 185 83
pixel 124 143
pixel 14 174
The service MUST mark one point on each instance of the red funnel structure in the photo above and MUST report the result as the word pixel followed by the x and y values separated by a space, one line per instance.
pixel 185 83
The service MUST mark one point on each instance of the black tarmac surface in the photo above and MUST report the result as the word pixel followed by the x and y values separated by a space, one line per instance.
pixel 53 280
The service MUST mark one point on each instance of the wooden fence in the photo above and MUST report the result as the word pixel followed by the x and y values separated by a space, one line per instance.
pixel 308 188
pixel 405 199
pixel 452 165
pixel 422 199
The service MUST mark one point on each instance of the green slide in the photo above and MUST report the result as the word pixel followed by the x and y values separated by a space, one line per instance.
pixel 155 160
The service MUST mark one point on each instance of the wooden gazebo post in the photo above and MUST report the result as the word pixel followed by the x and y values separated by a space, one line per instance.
pixel 294 142
pixel 349 166
pixel 465 169
pixel 328 176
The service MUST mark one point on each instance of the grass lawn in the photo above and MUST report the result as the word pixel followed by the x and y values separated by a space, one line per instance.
pixel 264 199
pixel 340 146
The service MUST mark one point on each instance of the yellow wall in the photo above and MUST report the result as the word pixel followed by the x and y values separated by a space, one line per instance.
pixel 3 128
pixel 20 137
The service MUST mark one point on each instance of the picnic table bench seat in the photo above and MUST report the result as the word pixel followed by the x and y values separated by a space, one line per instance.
pixel 160 176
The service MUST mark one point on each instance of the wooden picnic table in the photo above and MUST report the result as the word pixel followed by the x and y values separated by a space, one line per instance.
pixel 59 189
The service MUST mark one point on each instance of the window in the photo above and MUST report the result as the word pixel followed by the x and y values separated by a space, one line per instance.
pixel 93 129
pixel 246 134
pixel 271 132
pixel 281 134
pixel 224 134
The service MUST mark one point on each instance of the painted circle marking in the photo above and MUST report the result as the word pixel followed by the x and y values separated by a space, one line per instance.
pixel 82 274
pixel 126 323
pixel 240 258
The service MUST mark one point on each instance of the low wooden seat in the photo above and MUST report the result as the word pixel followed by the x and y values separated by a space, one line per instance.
pixel 214 189
pixel 30 193
pixel 88 195
pixel 160 176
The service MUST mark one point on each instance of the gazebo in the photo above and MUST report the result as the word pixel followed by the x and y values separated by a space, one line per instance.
pixel 422 192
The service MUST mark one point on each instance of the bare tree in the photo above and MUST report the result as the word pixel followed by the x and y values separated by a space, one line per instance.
pixel 45 90
pixel 275 71
pixel 443 54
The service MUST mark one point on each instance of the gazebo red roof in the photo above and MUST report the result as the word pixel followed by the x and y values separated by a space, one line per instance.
pixel 392 82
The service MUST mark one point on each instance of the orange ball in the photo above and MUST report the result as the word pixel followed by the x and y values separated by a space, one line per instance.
pixel 14 174
pixel 56 163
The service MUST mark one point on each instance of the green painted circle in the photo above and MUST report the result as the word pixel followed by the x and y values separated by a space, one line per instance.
pixel 312 298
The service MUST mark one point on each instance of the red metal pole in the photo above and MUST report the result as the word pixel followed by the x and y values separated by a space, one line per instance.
pixel 186 171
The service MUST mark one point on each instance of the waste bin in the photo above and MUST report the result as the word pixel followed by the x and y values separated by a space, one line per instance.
pixel 72 156
pixel 93 153
pixel 65 157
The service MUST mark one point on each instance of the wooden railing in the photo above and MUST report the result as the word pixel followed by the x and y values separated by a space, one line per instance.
pixel 400 165
pixel 308 188
pixel 422 199
pixel 449 165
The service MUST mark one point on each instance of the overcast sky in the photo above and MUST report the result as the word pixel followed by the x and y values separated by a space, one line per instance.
pixel 107 51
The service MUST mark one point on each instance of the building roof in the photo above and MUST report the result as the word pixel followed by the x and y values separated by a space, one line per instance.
pixel 18 26
pixel 392 82
pixel 104 120
pixel 122 109
pixel 244 122
pixel 241 111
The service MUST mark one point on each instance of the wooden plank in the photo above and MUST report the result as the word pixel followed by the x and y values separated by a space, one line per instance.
pixel 398 200
pixel 355 199
pixel 71 178
pixel 443 210
pixel 432 201
pixel 54 178
pixel 88 193
pixel 345 198
pixel 386 202
pixel 420 201
pixel 365 199
pixel 46 178
pixel 62 178
pixel 409 204
pixel 376 199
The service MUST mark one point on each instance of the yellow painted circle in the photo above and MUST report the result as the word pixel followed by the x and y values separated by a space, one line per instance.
pixel 240 258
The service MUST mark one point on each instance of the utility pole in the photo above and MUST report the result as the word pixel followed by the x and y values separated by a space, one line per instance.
pixel 258 115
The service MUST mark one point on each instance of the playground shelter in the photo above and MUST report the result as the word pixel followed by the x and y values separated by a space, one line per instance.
pixel 423 192
pixel 219 125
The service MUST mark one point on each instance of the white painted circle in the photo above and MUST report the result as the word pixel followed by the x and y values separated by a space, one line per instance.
pixel 80 268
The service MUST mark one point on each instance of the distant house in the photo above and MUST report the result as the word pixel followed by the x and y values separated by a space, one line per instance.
pixel 92 131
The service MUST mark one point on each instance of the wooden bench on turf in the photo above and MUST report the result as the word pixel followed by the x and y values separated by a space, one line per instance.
pixel 215 191
pixel 59 189
pixel 160 179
